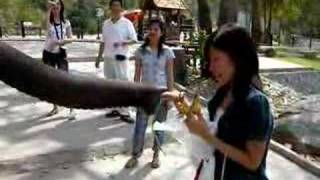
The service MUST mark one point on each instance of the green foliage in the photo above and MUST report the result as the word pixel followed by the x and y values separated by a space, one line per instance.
pixel 293 16
pixel 81 13
pixel 297 16
pixel 199 38
pixel 305 62
pixel 204 16
pixel 310 19
pixel 130 4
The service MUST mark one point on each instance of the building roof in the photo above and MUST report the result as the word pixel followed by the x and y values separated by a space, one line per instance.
pixel 166 4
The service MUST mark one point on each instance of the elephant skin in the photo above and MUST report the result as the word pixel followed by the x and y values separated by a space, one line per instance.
pixel 58 87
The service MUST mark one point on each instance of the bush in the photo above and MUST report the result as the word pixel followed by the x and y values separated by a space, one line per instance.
pixel 92 26
pixel 310 54
pixel 268 51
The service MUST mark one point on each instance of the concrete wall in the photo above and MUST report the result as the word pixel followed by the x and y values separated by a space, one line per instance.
pixel 305 82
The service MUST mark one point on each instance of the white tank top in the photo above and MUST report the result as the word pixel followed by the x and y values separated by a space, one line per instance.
pixel 55 33
pixel 217 118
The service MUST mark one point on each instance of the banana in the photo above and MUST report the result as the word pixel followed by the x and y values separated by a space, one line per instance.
pixel 183 108
pixel 195 107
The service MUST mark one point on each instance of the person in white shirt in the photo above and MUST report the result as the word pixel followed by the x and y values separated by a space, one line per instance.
pixel 59 34
pixel 117 34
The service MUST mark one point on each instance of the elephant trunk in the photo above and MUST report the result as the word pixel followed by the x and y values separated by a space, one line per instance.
pixel 58 87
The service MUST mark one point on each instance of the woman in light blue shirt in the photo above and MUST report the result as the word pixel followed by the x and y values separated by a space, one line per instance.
pixel 154 66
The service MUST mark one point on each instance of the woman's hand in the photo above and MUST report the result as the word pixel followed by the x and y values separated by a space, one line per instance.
pixel 61 42
pixel 197 125
pixel 64 42
pixel 67 41
pixel 171 95
pixel 50 7
pixel 178 99
pixel 195 122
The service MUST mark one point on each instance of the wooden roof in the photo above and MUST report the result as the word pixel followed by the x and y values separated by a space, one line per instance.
pixel 165 4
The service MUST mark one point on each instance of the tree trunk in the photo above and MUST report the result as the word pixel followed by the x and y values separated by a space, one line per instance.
pixel 124 4
pixel 265 16
pixel 279 35
pixel 269 27
pixel 204 15
pixel 58 87
pixel 310 40
pixel 23 30
pixel 141 19
pixel 256 21
pixel 228 12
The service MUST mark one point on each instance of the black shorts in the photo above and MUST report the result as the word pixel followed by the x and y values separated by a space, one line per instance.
pixel 55 60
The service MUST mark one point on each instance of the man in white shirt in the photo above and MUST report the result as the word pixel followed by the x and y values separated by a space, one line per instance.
pixel 117 34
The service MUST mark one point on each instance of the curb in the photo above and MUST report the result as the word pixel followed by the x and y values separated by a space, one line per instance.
pixel 294 157
pixel 275 146
pixel 286 70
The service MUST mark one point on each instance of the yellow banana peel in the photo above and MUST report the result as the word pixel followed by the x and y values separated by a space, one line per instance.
pixel 195 107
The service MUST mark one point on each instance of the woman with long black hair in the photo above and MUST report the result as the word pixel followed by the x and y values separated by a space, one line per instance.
pixel 154 66
pixel 240 108
pixel 59 34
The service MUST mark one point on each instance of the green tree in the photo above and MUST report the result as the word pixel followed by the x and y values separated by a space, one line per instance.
pixel 5 15
pixel 228 12
pixel 309 21
pixel 285 12
pixel 256 29
pixel 14 11
pixel 204 16
pixel 82 15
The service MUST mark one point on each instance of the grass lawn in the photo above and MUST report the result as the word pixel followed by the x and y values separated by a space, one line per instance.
pixel 284 56
pixel 313 63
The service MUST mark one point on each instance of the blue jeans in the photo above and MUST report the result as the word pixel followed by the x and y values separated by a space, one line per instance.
pixel 140 130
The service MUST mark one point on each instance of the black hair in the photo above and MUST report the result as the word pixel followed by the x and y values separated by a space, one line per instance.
pixel 61 13
pixel 161 40
pixel 237 43
pixel 112 1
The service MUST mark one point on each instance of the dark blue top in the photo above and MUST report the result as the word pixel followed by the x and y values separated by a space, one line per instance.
pixel 243 121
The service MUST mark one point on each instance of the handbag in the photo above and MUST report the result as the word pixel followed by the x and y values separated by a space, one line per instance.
pixel 120 57
pixel 63 53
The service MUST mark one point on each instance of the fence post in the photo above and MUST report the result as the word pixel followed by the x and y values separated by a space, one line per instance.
pixel 23 32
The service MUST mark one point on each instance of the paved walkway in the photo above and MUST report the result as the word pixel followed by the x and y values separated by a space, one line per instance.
pixel 89 51
pixel 75 50
pixel 90 148
pixel 274 64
